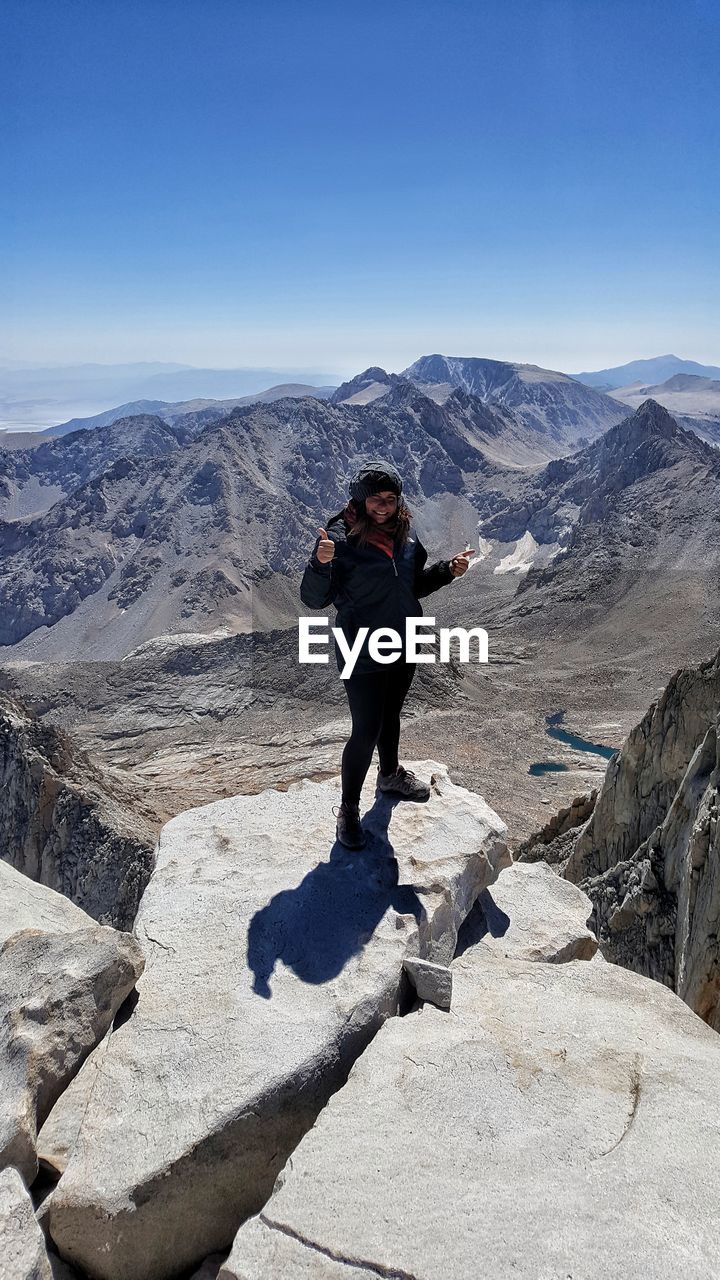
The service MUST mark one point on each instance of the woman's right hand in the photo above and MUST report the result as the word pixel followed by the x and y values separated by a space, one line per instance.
pixel 325 548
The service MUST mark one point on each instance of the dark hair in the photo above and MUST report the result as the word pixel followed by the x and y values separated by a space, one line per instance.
pixel 399 526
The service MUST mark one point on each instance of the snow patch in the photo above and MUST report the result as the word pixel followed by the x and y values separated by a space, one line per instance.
pixel 484 548
pixel 526 553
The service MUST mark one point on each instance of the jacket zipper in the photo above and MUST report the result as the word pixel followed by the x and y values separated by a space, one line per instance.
pixel 394 566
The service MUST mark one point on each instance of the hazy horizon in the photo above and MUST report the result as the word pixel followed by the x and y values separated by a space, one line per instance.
pixel 312 374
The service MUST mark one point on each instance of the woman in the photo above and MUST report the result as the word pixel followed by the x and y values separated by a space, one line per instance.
pixel 370 563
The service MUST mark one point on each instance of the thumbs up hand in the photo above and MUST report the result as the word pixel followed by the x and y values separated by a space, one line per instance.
pixel 325 548
pixel 460 561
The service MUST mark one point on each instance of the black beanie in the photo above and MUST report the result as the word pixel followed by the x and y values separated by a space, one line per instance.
pixel 373 476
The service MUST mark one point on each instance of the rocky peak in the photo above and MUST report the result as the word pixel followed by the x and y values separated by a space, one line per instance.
pixel 649 855
pixel 648 440
pixel 403 394
pixel 372 377
pixel 462 398
pixel 472 374
pixel 435 368
pixel 478 375
pixel 490 418
pixel 650 420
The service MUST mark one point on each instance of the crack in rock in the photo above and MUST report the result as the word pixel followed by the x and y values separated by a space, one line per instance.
pixel 374 1268
pixel 635 1081
pixel 156 941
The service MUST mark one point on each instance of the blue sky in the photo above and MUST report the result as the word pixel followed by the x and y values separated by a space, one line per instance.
pixel 328 185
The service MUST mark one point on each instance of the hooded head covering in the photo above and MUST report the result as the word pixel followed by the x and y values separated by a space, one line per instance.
pixel 373 476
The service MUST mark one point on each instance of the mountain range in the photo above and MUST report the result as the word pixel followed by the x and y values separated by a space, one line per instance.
pixel 559 412
pixel 505 418
pixel 627 529
pixel 148 529
pixel 33 397
pixel 140 528
pixel 550 413
pixel 169 411
pixel 648 372
pixel 136 557
pixel 694 401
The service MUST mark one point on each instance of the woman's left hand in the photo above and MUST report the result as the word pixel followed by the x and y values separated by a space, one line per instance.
pixel 460 561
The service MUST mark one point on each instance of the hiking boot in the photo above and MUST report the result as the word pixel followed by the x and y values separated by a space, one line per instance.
pixel 348 829
pixel 403 782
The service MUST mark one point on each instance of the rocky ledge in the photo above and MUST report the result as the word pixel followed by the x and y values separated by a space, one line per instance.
pixel 272 1095
pixel 548 1125
pixel 273 956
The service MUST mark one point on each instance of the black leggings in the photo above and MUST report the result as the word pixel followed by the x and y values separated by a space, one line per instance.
pixel 375 703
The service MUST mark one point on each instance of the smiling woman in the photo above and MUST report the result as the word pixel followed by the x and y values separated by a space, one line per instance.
pixel 370 563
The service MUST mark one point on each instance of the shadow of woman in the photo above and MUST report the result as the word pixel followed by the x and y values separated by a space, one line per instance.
pixel 334 911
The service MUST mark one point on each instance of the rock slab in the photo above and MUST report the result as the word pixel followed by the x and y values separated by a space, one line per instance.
pixel 531 914
pixel 22 1245
pixel 273 957
pixel 432 982
pixel 25 904
pixel 560 1120
pixel 57 1138
pixel 58 995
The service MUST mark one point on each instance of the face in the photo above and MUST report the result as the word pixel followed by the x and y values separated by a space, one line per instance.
pixel 381 506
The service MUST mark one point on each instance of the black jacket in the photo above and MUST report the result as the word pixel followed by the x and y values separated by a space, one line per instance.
pixel 368 588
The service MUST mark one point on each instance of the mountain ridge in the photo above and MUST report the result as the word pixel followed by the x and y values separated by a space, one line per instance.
pixel 656 369
pixel 184 534
pixel 554 407
pixel 631 524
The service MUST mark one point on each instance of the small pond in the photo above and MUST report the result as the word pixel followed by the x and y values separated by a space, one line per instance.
pixel 554 730
pixel 540 767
